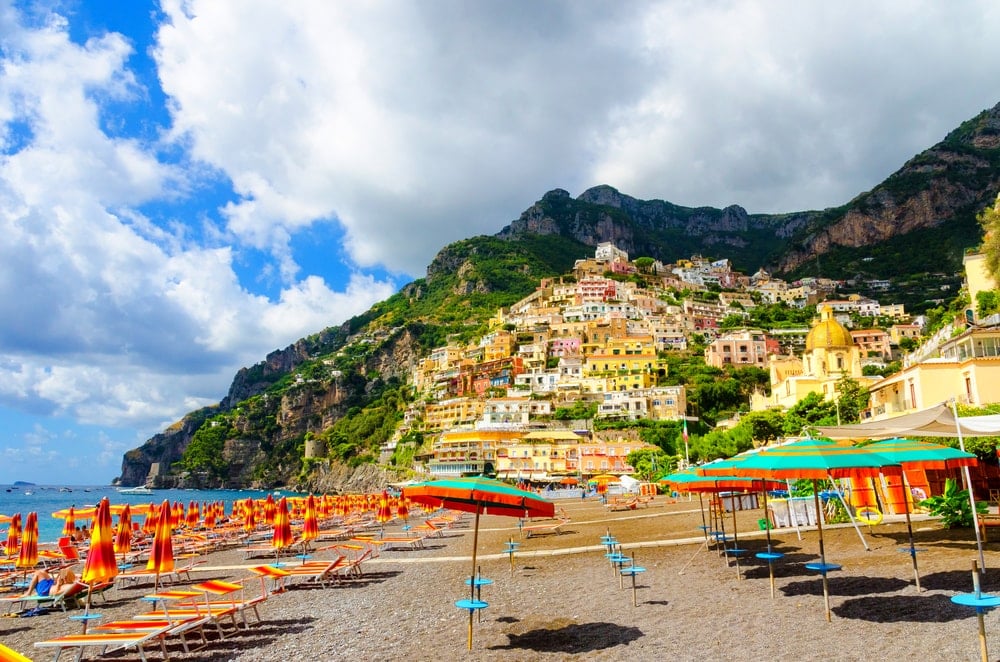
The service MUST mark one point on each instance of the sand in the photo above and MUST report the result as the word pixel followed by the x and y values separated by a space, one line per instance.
pixel 564 601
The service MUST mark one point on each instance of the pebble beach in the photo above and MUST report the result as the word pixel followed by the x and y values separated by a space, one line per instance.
pixel 561 599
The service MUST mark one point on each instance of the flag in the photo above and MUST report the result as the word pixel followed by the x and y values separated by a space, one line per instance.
pixel 685 433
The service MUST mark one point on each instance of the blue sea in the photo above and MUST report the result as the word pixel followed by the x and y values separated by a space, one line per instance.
pixel 47 499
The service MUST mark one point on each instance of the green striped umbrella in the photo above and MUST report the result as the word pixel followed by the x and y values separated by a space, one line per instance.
pixel 479 495
pixel 814 459
pixel 913 454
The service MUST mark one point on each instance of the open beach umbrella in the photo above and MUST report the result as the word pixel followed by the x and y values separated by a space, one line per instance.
pixel 161 555
pixel 13 545
pixel 913 454
pixel 100 565
pixel 479 496
pixel 282 527
pixel 27 556
pixel 813 459
pixel 310 522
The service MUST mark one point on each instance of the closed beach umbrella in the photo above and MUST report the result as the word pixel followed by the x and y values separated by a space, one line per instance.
pixel 123 536
pixel 310 524
pixel 13 536
pixel 282 527
pixel 384 512
pixel 69 525
pixel 249 516
pixel 161 556
pixel 27 556
pixel 100 565
pixel 193 516
pixel 814 459
pixel 403 509
pixel 269 509
pixel 479 495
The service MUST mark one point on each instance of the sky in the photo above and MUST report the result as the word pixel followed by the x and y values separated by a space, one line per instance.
pixel 188 185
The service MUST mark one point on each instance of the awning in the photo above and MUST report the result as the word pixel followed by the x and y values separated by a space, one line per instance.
pixel 938 421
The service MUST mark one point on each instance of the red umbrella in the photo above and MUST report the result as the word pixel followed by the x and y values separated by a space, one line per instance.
pixel 100 565
pixel 249 516
pixel 123 536
pixel 69 527
pixel 192 515
pixel 384 512
pixel 403 511
pixel 269 507
pixel 14 535
pixel 282 527
pixel 479 495
pixel 161 556
pixel 310 525
pixel 27 556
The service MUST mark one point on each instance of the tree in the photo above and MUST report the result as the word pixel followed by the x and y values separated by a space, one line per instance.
pixel 987 302
pixel 651 464
pixel 989 220
pixel 764 426
pixel 852 399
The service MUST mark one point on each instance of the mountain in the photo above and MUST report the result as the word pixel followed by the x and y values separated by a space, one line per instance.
pixel 348 382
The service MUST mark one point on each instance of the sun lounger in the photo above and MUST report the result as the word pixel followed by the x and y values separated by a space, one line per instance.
pixel 178 627
pixel 108 641
pixel 544 527
pixel 62 600
pixel 317 572
pixel 141 575
pixel 411 542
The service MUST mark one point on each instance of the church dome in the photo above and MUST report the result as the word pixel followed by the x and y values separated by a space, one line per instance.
pixel 829 333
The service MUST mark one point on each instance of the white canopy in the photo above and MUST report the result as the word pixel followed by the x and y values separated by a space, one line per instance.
pixel 938 421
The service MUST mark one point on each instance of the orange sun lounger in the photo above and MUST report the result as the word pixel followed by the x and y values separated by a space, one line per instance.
pixel 108 641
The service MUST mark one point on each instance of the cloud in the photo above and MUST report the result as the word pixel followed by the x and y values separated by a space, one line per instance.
pixel 113 317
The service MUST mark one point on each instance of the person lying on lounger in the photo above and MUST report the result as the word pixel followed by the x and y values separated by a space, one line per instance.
pixel 43 583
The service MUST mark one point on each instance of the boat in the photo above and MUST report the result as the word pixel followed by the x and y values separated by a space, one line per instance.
pixel 65 489
pixel 139 489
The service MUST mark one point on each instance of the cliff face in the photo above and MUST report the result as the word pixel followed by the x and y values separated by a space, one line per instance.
pixel 315 382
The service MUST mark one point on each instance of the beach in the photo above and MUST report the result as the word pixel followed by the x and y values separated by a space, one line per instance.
pixel 563 600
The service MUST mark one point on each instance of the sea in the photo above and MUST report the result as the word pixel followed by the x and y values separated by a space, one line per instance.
pixel 47 499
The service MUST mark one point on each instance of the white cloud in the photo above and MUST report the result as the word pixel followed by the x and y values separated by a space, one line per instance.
pixel 111 318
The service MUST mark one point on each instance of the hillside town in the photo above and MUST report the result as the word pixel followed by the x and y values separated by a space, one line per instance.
pixel 596 338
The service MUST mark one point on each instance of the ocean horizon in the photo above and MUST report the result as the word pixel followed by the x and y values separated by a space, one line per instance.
pixel 47 499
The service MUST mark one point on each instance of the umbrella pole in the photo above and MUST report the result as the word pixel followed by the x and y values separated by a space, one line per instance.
pixel 822 553
pixel 909 530
pixel 736 539
pixel 767 534
pixel 701 507
pixel 472 582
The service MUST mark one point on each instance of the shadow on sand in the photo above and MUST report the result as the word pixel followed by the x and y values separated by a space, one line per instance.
pixel 903 609
pixel 573 638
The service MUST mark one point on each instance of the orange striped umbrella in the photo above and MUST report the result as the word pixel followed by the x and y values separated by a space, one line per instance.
pixel 384 512
pixel 192 515
pixel 101 565
pixel 269 509
pixel 282 527
pixel 69 527
pixel 403 510
pixel 14 535
pixel 249 516
pixel 27 557
pixel 123 537
pixel 161 556
pixel 310 525
pixel 149 523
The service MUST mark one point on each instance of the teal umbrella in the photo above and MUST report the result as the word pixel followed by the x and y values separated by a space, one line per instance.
pixel 913 454
pixel 813 459
pixel 479 495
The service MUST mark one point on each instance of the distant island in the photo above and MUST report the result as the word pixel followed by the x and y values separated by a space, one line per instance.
pixel 21 483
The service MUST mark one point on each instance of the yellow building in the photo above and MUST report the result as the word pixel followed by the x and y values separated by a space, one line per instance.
pixel 449 413
pixel 967 368
pixel 540 455
pixel 830 354
pixel 468 452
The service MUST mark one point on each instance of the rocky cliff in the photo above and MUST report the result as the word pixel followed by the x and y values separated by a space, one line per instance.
pixel 334 375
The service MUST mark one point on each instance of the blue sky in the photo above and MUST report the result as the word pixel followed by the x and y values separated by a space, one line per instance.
pixel 188 185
